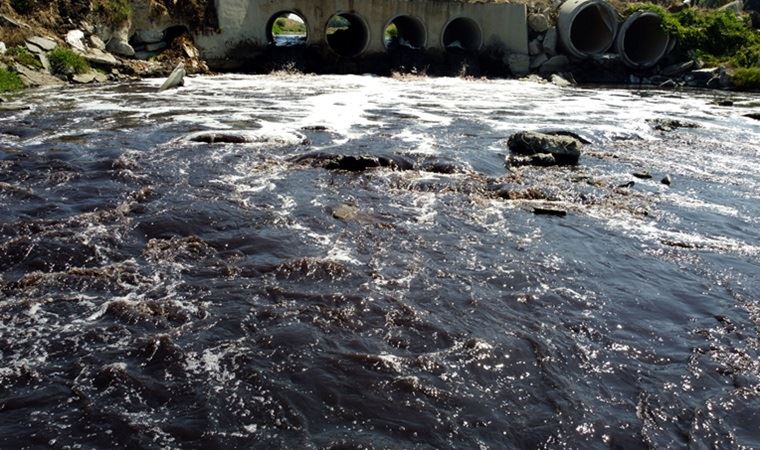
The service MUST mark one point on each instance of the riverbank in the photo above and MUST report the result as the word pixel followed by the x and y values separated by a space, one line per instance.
pixel 121 40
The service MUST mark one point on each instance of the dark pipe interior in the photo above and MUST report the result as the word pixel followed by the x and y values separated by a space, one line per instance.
pixel 347 35
pixel 464 31
pixel 645 40
pixel 590 32
pixel 411 33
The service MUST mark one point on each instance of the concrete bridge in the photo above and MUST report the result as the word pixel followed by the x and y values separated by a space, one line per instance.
pixel 429 25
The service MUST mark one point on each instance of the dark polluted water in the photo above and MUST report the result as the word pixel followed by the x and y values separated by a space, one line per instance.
pixel 161 287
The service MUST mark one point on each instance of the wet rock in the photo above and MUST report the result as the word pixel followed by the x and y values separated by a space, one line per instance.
pixel 555 64
pixel 550 212
pixel 46 44
pixel 119 42
pixel 670 124
pixel 155 47
pixel 550 41
pixel 120 47
pixel 443 166
pixel 353 163
pixel 345 212
pixel 176 79
pixel 643 175
pixel 518 63
pixel 219 138
pixel 97 43
pixel 538 61
pixel 575 136
pixel 724 102
pixel 98 57
pixel 75 38
pixel 677 69
pixel 535 47
pixel 563 149
pixel 666 180
pixel 538 22
pixel 627 185
pixel 668 84
pixel 33 78
pixel 755 116
pixel 540 159
pixel 557 80
pixel 84 78
pixel 148 36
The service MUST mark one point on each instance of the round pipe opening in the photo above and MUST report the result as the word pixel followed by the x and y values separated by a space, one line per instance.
pixel 405 32
pixel 462 34
pixel 642 42
pixel 587 27
pixel 347 34
pixel 287 28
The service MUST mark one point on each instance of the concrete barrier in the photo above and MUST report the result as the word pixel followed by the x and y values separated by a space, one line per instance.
pixel 428 24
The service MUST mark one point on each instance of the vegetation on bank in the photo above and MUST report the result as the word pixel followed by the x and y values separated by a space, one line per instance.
pixel 24 56
pixel 10 81
pixel 114 12
pixel 717 37
pixel 287 26
pixel 65 62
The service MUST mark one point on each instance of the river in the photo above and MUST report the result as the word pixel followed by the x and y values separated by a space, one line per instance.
pixel 159 292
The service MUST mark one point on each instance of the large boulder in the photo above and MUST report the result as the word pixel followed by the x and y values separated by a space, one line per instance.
pixel 75 38
pixel 532 147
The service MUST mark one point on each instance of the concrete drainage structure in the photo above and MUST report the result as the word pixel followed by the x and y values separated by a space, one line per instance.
pixel 587 27
pixel 641 41
pixel 432 26
pixel 411 33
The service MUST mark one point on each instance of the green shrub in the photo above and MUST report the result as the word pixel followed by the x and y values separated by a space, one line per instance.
pixel 10 81
pixel 24 56
pixel 114 11
pixel 64 62
pixel 747 78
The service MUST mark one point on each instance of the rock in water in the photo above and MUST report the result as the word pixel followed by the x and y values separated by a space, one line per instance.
pixel 564 149
pixel 176 79
pixel 345 212
pixel 643 175
pixel 667 180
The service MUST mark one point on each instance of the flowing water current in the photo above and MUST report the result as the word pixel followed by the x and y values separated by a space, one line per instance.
pixel 159 291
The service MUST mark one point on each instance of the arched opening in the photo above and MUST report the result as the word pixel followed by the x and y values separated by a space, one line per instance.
pixel 405 32
pixel 347 34
pixel 286 29
pixel 644 40
pixel 462 34
pixel 593 29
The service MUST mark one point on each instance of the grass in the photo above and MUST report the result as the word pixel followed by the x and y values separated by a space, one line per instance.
pixel 24 56
pixel 716 37
pixel 115 12
pixel 10 81
pixel 286 26
pixel 64 62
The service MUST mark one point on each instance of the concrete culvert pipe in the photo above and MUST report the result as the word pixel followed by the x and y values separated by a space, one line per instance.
pixel 587 27
pixel 347 34
pixel 462 33
pixel 405 31
pixel 641 41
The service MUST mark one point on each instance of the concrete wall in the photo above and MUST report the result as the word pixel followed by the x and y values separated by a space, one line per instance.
pixel 244 22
